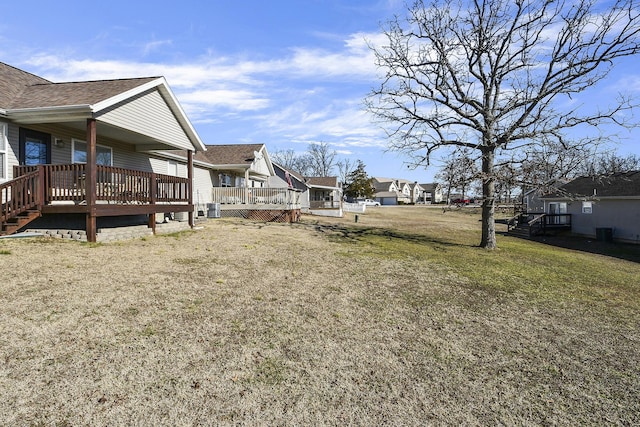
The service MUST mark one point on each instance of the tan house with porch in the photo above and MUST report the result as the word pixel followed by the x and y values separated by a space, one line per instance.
pixel 89 151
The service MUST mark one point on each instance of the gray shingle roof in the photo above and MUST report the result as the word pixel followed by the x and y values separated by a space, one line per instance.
pixel 625 184
pixel 429 187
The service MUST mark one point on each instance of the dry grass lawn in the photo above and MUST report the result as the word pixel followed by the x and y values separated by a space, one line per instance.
pixel 395 320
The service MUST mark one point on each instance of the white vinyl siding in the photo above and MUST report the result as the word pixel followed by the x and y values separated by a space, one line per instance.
pixel 202 187
pixel 4 147
pixel 149 114
pixel 172 168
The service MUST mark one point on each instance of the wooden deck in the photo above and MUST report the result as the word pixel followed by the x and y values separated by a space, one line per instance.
pixel 259 203
pixel 539 224
pixel 63 189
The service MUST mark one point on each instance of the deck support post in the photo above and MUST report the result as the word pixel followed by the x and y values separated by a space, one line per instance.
pixel 41 187
pixel 190 189
pixel 152 222
pixel 90 180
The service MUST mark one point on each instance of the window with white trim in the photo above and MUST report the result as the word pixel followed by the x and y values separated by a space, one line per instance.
pixel 172 168
pixel 225 180
pixel 587 207
pixel 104 155
pixel 4 144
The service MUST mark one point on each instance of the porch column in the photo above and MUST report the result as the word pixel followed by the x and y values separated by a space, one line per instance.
pixel 246 186
pixel 90 180
pixel 190 177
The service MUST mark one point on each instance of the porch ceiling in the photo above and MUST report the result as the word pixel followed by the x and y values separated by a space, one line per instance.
pixel 140 141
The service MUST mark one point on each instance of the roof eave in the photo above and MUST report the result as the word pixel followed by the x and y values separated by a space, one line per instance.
pixel 64 113
pixel 234 166
pixel 323 187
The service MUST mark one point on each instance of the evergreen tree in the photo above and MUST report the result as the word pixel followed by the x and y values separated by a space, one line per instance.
pixel 359 184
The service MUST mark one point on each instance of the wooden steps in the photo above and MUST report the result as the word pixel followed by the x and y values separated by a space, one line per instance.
pixel 521 230
pixel 14 224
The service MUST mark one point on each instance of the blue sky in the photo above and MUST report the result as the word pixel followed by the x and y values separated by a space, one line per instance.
pixel 284 73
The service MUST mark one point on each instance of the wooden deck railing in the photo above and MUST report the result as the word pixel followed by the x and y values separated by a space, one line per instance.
pixel 541 223
pixel 256 196
pixel 19 195
pixel 67 182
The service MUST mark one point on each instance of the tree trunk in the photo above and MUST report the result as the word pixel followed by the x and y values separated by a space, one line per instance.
pixel 488 203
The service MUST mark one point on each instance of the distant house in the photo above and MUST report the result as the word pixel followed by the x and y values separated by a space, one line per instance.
pixel 237 165
pixel 608 205
pixel 325 196
pixel 431 193
pixel 532 202
pixel 284 178
pixel 86 154
pixel 405 188
pixel 238 179
pixel 410 189
pixel 389 191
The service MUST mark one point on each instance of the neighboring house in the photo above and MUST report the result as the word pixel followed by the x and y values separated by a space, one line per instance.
pixel 284 178
pixel 318 195
pixel 532 202
pixel 238 165
pixel 405 188
pixel 431 193
pixel 389 192
pixel 600 206
pixel 85 154
pixel 416 192
pixel 237 176
pixel 325 196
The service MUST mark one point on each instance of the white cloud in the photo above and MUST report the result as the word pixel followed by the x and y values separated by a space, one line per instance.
pixel 305 96
pixel 149 47
pixel 356 60
pixel 242 100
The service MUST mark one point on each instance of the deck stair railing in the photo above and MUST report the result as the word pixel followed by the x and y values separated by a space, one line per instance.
pixel 20 201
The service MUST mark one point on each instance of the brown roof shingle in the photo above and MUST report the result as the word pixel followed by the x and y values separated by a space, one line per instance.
pixel 75 93
pixel 324 181
pixel 230 154
pixel 13 81
pixel 20 89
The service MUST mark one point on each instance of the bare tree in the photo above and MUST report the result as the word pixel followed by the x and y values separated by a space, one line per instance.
pixel 491 75
pixel 507 181
pixel 609 164
pixel 458 172
pixel 551 165
pixel 285 158
pixel 322 159
pixel 290 160
pixel 345 167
